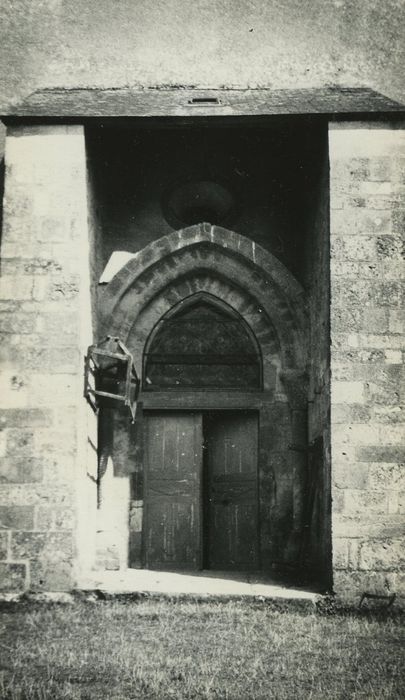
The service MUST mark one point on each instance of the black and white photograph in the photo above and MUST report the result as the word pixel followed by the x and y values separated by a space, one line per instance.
pixel 202 326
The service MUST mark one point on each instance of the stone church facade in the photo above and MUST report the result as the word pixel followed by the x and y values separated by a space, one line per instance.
pixel 246 246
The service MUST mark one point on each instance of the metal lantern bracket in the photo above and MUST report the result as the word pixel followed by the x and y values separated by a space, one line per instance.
pixel 110 375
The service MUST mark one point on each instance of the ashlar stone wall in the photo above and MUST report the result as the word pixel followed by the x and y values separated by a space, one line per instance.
pixel 48 436
pixel 367 192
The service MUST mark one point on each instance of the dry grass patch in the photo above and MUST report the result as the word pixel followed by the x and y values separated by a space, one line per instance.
pixel 183 650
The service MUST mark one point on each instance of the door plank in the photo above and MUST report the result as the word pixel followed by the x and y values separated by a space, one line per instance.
pixel 232 509
pixel 172 527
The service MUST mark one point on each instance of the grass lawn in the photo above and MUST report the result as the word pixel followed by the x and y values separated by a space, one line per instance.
pixel 162 649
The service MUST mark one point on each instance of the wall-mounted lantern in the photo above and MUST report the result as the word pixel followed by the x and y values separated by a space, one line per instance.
pixel 110 375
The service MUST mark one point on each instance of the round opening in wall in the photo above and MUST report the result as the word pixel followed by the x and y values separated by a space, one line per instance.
pixel 194 202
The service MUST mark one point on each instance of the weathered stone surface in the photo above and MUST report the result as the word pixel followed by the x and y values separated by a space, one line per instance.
pixel 367 325
pixel 46 243
pixel 350 585
pixel 383 555
pixel 36 494
pixel 357 502
pixel 3 545
pixel 17 517
pixel 13 577
pixel 352 476
pixel 367 526
pixel 25 470
pixel 340 551
pixel 21 418
pixel 355 413
pixel 48 575
pixel 381 453
pixel 348 392
pixel 51 518
pixel 49 546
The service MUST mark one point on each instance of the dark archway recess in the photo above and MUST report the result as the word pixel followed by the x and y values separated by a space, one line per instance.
pixel 202 343
pixel 220 329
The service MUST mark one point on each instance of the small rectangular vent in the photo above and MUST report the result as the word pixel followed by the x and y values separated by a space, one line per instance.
pixel 201 101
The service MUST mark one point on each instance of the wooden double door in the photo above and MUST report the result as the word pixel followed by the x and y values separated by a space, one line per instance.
pixel 201 491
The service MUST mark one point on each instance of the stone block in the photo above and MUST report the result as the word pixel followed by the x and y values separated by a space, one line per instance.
pixel 353 558
pixel 352 476
pixel 19 443
pixel 350 436
pixel 23 323
pixel 354 413
pixel 401 502
pixel 50 546
pixel 398 222
pixel 375 187
pixel 397 321
pixel 64 325
pixel 347 392
pixel 59 469
pixel 386 476
pixel 392 502
pixel 41 266
pixel 379 169
pixel 361 221
pixel 390 269
pixel 390 247
pixel 392 434
pixel 25 418
pixel 358 502
pixel 53 389
pixel 37 494
pixel 340 553
pixel 64 519
pixel 57 360
pixel 16 287
pixel 354 248
pixel 3 545
pixel 373 319
pixel 55 443
pixel 344 319
pixel 24 470
pixel 52 576
pixel 44 518
pixel 381 453
pixel 383 341
pixel 338 500
pixel 52 229
pixel 383 555
pixel 13 577
pixel 50 518
pixel 393 357
pixel 350 585
pixel 360 293
pixel 388 294
pixel 17 517
pixel 366 525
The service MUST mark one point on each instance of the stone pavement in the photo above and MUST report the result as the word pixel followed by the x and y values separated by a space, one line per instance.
pixel 204 583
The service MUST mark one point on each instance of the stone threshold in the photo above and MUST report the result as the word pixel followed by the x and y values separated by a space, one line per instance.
pixel 201 585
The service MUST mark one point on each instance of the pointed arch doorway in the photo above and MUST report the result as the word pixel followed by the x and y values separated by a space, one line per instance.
pixel 201 507
pixel 218 326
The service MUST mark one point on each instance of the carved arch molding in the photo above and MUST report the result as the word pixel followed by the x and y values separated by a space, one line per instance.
pixel 217 263
pixel 221 263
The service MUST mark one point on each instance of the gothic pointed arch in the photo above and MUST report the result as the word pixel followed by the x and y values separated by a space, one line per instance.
pixel 202 342
pixel 226 257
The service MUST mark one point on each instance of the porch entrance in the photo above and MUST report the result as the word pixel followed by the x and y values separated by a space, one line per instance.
pixel 201 490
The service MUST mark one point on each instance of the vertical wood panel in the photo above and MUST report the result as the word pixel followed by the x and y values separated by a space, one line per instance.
pixel 232 508
pixel 172 526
